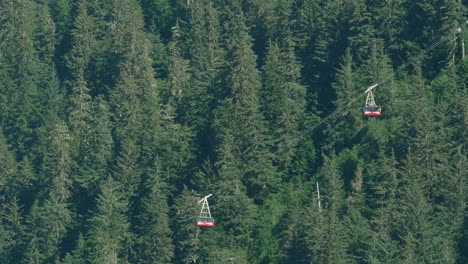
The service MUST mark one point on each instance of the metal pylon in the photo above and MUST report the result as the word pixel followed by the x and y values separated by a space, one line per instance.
pixel 205 210
pixel 370 100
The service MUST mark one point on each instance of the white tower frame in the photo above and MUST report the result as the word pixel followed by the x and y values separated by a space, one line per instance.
pixel 370 102
pixel 205 210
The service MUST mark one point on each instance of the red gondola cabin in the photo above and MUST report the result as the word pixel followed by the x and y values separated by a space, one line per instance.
pixel 205 221
pixel 371 111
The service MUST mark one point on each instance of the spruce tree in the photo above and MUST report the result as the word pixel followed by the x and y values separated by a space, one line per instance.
pixel 235 211
pixel 78 60
pixel 12 231
pixel 8 169
pixel 289 226
pixel 312 232
pixel 50 217
pixel 186 233
pixel 78 254
pixel 20 69
pixel 109 227
pixel 430 22
pixel 159 16
pixel 344 130
pixel 32 252
pixel 93 154
pixel 332 242
pixel 362 32
pixel 174 136
pixel 134 99
pixel 153 225
pixel 382 187
pixel 389 23
pixel 283 99
pixel 327 47
pixel 419 224
pixel 239 115
pixel 57 162
pixel 206 64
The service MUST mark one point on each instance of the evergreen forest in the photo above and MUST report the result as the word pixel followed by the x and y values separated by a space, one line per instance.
pixel 118 116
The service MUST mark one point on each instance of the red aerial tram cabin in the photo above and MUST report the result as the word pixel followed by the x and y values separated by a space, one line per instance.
pixel 205 221
pixel 205 218
pixel 371 111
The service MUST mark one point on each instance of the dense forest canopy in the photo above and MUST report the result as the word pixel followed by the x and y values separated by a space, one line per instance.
pixel 118 116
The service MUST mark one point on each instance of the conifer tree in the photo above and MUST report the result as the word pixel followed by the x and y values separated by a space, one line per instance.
pixel 78 60
pixel 283 99
pixel 431 160
pixel 382 185
pixel 8 169
pixel 418 223
pixel 153 220
pixel 32 252
pixel 25 182
pixel 328 45
pixel 61 12
pixel 206 64
pixel 312 232
pixel 12 231
pixel 239 114
pixel 292 248
pixel 109 227
pixel 357 231
pixel 186 233
pixel 267 246
pixel 388 18
pixel 134 99
pixel 437 22
pixel 57 162
pixel 362 32
pixel 50 217
pixel 51 226
pixel 332 243
pixel 21 72
pixel 355 223
pixel 343 131
pixel 93 155
pixel 235 209
pixel 159 16
pixel 175 137
pixel 308 16
pixel 78 254
pixel 98 24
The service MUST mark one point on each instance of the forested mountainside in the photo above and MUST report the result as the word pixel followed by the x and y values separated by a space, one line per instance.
pixel 118 116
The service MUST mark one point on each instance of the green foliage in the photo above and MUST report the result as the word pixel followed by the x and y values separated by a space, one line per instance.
pixel 109 225
pixel 7 167
pixel 78 254
pixel 283 99
pixel 153 219
pixel 159 16
pixel 12 231
pixel 186 234
pixel 117 116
